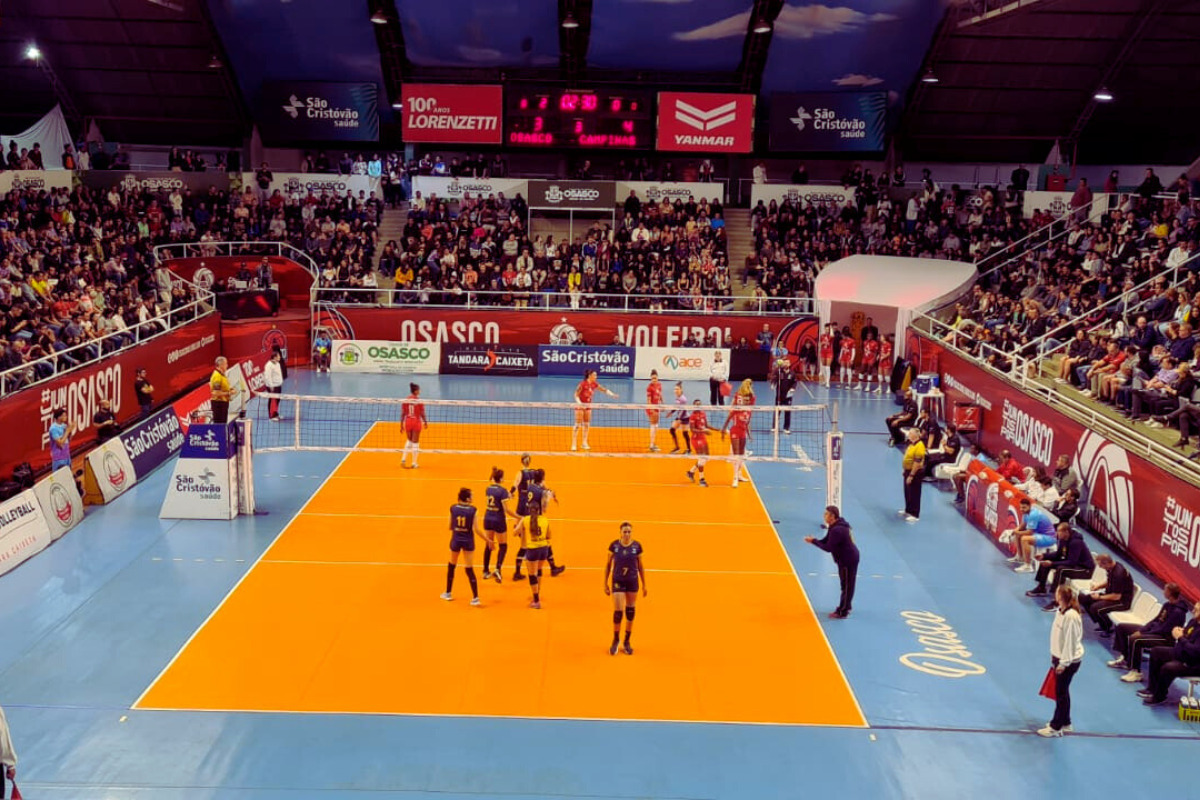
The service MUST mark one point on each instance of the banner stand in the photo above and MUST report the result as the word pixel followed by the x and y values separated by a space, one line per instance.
pixel 205 482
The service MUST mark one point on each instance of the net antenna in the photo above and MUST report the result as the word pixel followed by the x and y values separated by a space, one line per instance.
pixel 833 460
pixel 616 430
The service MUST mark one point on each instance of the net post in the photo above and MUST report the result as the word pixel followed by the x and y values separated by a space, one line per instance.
pixel 833 461
pixel 297 423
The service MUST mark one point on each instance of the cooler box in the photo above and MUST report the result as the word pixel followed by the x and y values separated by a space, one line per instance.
pixel 966 416
pixel 924 382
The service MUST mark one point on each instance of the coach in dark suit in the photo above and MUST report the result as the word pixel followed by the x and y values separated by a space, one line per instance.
pixel 839 543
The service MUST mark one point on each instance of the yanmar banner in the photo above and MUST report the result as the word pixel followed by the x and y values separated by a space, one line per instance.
pixel 705 123
pixel 452 114
pixel 1129 501
pixel 555 326
pixel 174 362
pixel 828 122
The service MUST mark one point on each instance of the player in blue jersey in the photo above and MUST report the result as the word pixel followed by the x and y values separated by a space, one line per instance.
pixel 520 491
pixel 626 572
pixel 464 527
pixel 681 421
pixel 495 522
pixel 542 495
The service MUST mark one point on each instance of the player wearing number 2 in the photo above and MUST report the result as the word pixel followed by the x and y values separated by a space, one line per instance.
pixel 464 527
pixel 583 412
pixel 413 412
pixel 626 571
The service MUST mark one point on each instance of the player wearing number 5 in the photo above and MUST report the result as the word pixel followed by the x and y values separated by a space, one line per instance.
pixel 583 412
pixel 464 527
pixel 626 571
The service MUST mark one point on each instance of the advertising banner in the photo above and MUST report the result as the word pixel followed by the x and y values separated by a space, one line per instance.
pixel 174 362
pixel 828 122
pixel 484 359
pixel 1058 204
pixel 161 183
pixel 202 485
pixel 38 180
pixel 677 363
pixel 108 473
pixel 318 111
pixel 800 195
pixel 23 530
pixel 62 507
pixel 394 358
pixel 458 188
pixel 706 123
pixel 609 362
pixel 993 504
pixel 554 326
pixel 298 185
pixel 1127 500
pixel 451 114
pixel 657 191
pixel 152 442
pixel 573 195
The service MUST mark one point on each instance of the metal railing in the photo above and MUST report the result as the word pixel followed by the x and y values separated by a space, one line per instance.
pixel 557 301
pixel 1082 412
pixel 72 358
pixel 1035 238
pixel 166 252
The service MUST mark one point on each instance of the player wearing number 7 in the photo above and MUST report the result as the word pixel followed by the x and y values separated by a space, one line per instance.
pixel 625 567
pixel 583 412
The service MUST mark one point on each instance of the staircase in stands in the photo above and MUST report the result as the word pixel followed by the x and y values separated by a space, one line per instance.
pixel 740 243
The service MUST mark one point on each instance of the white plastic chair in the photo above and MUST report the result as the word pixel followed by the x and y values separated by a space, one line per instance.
pixel 1081 585
pixel 943 472
pixel 1144 609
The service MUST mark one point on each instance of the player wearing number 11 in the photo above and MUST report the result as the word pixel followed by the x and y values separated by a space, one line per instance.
pixel 464 527
pixel 625 567
pixel 583 412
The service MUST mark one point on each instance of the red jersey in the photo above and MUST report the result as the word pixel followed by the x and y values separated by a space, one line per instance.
pixel 846 354
pixel 585 391
pixel 826 346
pixel 699 423
pixel 885 352
pixel 654 394
pixel 870 351
pixel 739 424
pixel 412 408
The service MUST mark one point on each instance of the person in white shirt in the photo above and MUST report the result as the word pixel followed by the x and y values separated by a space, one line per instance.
pixel 718 373
pixel 273 380
pixel 760 173
pixel 1182 252
pixel 1066 654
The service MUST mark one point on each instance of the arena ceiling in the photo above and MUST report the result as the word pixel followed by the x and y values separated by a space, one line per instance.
pixel 1011 81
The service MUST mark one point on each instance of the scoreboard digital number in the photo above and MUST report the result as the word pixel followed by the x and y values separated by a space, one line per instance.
pixel 601 119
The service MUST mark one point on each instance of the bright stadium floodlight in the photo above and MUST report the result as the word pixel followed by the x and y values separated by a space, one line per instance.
pixel 1103 95
pixel 32 52
pixel 929 77
pixel 399 106
pixel 379 18
pixel 763 26
pixel 569 22
pixel 215 62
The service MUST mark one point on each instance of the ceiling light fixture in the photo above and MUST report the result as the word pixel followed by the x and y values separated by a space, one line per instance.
pixel 929 77
pixel 32 52
pixel 1103 95
pixel 569 22
pixel 762 26
pixel 399 106
pixel 379 18
pixel 215 62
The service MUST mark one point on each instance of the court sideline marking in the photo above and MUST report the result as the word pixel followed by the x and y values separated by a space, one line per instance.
pixel 137 703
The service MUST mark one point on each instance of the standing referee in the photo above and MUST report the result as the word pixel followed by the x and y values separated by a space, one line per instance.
pixel 222 392
pixel 839 543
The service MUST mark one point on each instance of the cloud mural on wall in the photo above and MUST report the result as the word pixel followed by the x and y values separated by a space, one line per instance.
pixel 794 22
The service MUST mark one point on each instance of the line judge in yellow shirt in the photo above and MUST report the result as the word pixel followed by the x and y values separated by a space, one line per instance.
pixel 222 392
pixel 914 469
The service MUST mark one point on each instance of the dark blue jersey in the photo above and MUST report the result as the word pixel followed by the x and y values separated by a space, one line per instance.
pixel 625 559
pixel 522 491
pixel 462 520
pixel 494 514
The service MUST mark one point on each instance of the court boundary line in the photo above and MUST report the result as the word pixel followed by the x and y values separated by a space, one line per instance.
pixel 442 565
pixel 559 519
pixel 137 703
pixel 825 636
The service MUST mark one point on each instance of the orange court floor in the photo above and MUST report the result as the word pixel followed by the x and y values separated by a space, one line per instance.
pixel 342 613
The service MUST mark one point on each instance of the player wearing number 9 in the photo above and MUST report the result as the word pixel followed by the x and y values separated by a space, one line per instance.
pixel 626 571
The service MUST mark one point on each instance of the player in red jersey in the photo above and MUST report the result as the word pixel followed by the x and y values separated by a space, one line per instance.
pixel 698 422
pixel 846 361
pixel 825 352
pixel 738 425
pixel 653 398
pixel 885 363
pixel 583 412
pixel 870 357
pixel 413 412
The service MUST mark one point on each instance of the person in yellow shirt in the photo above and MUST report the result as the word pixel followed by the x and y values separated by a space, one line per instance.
pixel 914 468
pixel 222 392
pixel 534 531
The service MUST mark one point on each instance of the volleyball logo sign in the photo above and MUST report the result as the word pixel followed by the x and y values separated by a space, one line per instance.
pixel 204 278
pixel 274 338
pixel 564 333
pixel 1104 469
pixel 796 332
pixel 114 471
pixel 65 510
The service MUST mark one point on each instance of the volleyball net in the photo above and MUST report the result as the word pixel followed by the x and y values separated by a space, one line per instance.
pixel 789 434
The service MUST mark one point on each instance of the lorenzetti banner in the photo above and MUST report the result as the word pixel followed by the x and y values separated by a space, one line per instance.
pixel 1127 500
pixel 828 122
pixel 452 114
pixel 705 123
pixel 318 111
pixel 573 195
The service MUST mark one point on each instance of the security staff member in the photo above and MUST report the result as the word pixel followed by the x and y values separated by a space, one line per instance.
pixel 222 392
pixel 839 543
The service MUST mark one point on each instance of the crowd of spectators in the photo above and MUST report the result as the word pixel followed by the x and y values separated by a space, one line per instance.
pixel 668 254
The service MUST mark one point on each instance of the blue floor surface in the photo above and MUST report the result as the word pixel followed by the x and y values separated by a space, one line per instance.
pixel 88 625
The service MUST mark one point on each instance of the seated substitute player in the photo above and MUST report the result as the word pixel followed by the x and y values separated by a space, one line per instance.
pixel 495 522
pixel 653 399
pixel 520 490
pixel 626 571
pixel 413 412
pixel 698 421
pixel 583 412
pixel 535 539
pixel 681 421
pixel 464 527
